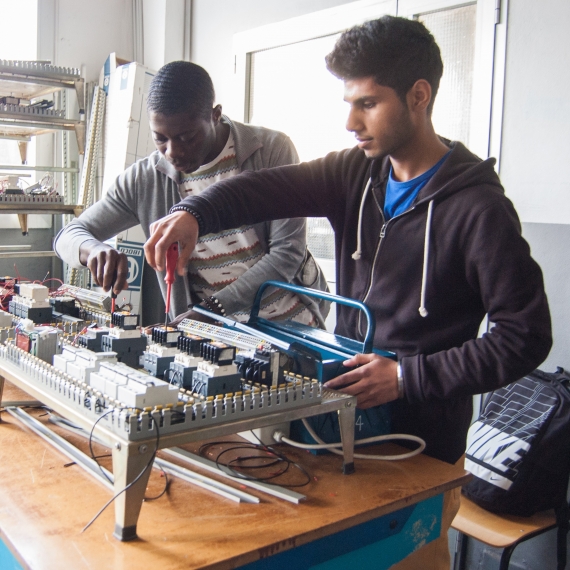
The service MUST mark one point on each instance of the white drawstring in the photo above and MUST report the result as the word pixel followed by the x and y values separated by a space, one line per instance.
pixel 422 309
pixel 358 253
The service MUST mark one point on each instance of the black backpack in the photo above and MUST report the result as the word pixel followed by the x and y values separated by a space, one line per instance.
pixel 519 449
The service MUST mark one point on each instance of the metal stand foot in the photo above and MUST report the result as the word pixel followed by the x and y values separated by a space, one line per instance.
pixel 346 419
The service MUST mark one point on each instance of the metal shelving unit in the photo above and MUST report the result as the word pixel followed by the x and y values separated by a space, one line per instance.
pixel 24 81
pixel 24 114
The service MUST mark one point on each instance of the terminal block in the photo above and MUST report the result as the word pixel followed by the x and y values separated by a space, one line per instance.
pixel 64 306
pixel 5 319
pixel 186 361
pixel 81 363
pixel 191 344
pixel 182 369
pixel 157 358
pixel 261 367
pixel 92 338
pixel 217 373
pixel 41 341
pixel 124 320
pixel 218 353
pixel 125 339
pixel 133 389
pixel 165 336
pixel 31 302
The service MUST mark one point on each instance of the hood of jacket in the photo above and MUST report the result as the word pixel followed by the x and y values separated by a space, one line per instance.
pixel 246 143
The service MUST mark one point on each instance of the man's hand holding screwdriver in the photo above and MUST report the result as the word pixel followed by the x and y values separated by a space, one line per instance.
pixel 109 267
pixel 180 227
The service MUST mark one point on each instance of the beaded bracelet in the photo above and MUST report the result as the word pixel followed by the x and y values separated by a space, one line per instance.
pixel 214 305
pixel 188 210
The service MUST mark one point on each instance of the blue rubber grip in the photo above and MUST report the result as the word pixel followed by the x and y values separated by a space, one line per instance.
pixel 367 345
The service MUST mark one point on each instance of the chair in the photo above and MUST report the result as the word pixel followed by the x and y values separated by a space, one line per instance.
pixel 504 531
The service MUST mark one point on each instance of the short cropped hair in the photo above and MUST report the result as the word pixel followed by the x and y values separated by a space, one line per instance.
pixel 396 52
pixel 181 87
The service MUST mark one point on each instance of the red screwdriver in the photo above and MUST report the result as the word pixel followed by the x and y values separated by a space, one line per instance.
pixel 170 276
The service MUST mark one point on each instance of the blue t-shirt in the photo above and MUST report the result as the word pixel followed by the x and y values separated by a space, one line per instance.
pixel 401 195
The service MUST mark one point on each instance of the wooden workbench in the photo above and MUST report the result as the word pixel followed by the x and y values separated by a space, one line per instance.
pixel 383 511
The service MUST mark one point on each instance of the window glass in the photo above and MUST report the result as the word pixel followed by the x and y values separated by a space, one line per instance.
pixel 454 32
pixel 18 41
pixel 291 90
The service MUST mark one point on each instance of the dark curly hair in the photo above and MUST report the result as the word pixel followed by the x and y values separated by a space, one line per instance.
pixel 396 52
pixel 181 87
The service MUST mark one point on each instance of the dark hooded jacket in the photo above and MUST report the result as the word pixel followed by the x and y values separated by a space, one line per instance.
pixel 429 275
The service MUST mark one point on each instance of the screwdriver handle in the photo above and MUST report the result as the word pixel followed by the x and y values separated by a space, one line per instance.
pixel 171 260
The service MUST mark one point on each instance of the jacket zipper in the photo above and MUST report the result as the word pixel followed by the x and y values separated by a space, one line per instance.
pixel 381 237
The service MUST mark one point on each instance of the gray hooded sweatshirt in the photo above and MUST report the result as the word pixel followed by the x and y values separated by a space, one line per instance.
pixel 147 190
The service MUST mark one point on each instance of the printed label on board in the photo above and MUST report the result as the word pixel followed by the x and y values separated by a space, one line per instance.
pixel 135 255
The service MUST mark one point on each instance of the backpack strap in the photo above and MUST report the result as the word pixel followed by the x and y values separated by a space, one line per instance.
pixel 562 520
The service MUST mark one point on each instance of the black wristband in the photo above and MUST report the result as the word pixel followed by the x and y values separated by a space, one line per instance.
pixel 189 210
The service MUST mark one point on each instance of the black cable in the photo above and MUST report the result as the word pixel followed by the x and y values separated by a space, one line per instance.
pixel 275 456
pixel 91 444
pixel 166 486
pixel 134 481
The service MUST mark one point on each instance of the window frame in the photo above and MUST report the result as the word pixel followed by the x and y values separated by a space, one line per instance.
pixel 490 48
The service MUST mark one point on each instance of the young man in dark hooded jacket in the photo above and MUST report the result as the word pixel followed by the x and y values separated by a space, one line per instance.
pixel 424 236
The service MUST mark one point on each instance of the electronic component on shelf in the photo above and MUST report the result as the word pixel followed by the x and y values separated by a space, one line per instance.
pixel 133 388
pixel 186 361
pixel 129 343
pixel 124 320
pixel 62 391
pixel 218 353
pixel 21 198
pixel 5 319
pixel 68 354
pixel 64 306
pixel 254 369
pixel 167 336
pixel 191 344
pixel 217 374
pixel 81 363
pixel 92 338
pixel 87 362
pixel 262 367
pixel 41 341
pixel 158 357
pixel 31 302
pixel 87 298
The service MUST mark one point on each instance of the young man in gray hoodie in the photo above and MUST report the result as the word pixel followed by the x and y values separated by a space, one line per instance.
pixel 197 146
pixel 424 235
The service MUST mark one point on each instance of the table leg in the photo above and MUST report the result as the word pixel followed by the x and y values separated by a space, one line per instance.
pixel 129 463
pixel 346 419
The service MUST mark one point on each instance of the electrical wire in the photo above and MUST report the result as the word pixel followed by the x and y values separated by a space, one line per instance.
pixel 134 481
pixel 232 468
pixel 336 447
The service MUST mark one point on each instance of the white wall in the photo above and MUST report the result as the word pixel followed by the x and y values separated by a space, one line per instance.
pixel 82 33
pixel 536 119
pixel 536 148
pixel 164 34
